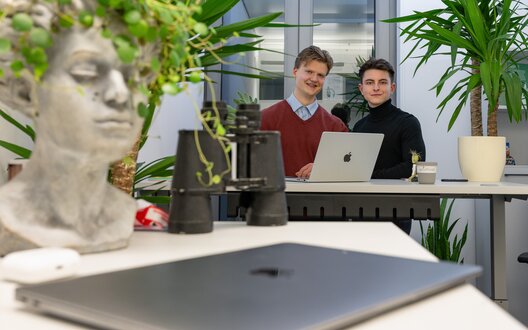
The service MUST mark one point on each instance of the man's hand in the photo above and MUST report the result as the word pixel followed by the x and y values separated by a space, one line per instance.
pixel 304 172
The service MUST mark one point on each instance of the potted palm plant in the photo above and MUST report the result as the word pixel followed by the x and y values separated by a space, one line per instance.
pixel 486 41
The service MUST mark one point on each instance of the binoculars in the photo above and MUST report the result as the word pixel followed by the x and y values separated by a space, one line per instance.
pixel 257 171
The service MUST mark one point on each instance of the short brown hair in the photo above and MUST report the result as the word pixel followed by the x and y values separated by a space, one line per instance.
pixel 314 53
pixel 378 64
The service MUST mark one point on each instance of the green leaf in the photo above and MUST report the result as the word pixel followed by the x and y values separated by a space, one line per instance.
pixel 100 11
pixel 170 88
pixel 212 10
pixel 150 109
pixel 227 31
pixel 225 51
pixel 86 18
pixel 220 130
pixel 22 22
pixel 142 110
pixel 106 33
pixel 486 76
pixel 242 74
pixel 155 65
pixel 140 29
pixel 17 66
pixel 201 28
pixel 165 16
pixel 195 77
pixel 436 238
pixel 66 21
pixel 37 56
pixel 28 130
pixel 155 167
pixel 40 37
pixel 132 17
pixel 126 52
pixel 447 37
pixel 5 45
pixel 513 94
pixel 152 34
pixel 216 179
pixel 16 149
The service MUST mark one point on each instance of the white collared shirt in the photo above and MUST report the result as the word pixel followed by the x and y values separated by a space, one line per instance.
pixel 295 105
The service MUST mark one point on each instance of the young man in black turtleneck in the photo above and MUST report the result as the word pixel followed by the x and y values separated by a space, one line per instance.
pixel 402 130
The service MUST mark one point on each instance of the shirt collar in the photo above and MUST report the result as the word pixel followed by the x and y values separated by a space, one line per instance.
pixel 295 104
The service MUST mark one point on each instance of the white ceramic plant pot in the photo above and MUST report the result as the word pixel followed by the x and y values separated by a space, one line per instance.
pixel 482 158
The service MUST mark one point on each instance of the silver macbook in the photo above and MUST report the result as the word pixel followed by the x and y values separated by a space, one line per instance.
pixel 283 286
pixel 345 157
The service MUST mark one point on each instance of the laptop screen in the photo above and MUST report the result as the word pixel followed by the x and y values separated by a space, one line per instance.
pixel 346 157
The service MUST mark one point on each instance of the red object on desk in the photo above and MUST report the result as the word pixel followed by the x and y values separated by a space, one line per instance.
pixel 150 217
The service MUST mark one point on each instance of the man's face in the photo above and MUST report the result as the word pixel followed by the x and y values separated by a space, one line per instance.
pixel 85 103
pixel 309 79
pixel 376 87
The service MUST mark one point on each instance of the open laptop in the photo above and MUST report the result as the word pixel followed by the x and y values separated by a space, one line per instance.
pixel 283 286
pixel 344 157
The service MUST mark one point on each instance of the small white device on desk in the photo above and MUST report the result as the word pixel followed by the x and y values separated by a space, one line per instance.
pixel 39 265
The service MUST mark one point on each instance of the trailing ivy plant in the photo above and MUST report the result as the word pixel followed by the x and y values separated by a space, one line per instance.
pixel 180 31
pixel 437 237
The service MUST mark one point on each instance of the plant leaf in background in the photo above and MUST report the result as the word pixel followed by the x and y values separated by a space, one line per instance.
pixel 243 98
pixel 16 149
pixel 26 129
pixel 437 237
pixel 156 173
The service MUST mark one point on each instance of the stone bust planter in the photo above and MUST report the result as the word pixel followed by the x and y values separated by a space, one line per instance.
pixel 83 98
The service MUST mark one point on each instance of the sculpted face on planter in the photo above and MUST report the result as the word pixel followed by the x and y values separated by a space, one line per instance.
pixel 85 118
pixel 84 102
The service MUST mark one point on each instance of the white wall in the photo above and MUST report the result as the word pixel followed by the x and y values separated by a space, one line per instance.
pixel 175 113
pixel 415 97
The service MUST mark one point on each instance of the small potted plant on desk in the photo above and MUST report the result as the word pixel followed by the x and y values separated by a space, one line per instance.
pixel 486 40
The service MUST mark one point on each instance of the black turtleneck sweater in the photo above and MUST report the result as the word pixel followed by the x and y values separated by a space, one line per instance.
pixel 402 134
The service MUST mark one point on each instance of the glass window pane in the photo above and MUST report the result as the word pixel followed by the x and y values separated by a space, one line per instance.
pixel 273 39
pixel 346 30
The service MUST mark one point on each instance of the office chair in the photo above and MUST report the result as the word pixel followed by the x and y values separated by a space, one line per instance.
pixel 523 257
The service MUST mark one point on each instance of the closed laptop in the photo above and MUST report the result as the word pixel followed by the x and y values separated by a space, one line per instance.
pixel 283 286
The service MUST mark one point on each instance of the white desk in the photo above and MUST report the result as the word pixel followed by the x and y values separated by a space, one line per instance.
pixel 463 307
pixel 493 259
